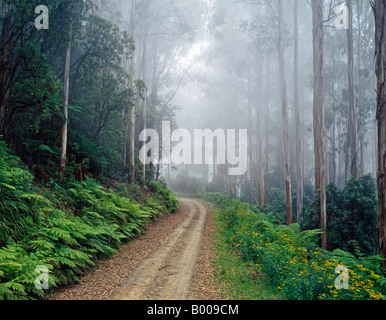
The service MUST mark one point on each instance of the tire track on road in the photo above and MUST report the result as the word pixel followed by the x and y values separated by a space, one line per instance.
pixel 167 273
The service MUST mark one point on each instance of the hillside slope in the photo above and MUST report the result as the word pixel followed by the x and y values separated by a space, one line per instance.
pixel 64 228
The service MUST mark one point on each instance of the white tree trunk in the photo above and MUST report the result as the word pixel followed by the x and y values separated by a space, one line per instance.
pixel 299 153
pixel 286 148
pixel 319 130
pixel 352 98
pixel 63 155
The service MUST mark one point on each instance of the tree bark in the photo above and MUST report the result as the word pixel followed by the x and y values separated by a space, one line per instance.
pixel 260 139
pixel 380 47
pixel 267 145
pixel 299 153
pixel 250 145
pixel 144 102
pixel 362 131
pixel 133 110
pixel 286 149
pixel 132 134
pixel 351 94
pixel 333 148
pixel 67 63
pixel 319 130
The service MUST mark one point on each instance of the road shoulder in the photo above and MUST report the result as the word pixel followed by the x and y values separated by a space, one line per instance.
pixel 203 287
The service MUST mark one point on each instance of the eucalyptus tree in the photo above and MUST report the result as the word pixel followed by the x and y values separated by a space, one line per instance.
pixel 352 95
pixel 158 31
pixel 380 50
pixel 283 86
pixel 64 133
pixel 29 68
pixel 319 116
pixel 298 138
pixel 21 56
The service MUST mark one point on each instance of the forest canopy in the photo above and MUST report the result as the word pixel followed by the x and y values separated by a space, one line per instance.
pixel 284 91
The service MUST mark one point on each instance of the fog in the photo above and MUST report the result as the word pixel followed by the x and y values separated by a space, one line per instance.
pixel 215 65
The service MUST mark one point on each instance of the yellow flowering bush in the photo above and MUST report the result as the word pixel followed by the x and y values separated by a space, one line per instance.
pixel 292 261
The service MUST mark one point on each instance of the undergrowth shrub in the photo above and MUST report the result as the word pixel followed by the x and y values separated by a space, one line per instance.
pixel 19 206
pixel 292 261
pixel 352 216
pixel 165 195
pixel 66 227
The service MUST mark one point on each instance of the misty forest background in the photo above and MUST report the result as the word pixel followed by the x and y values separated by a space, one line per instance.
pixel 74 98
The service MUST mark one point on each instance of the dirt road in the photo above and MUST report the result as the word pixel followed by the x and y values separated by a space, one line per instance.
pixel 168 272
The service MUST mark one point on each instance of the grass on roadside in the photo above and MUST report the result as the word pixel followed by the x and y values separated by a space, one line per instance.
pixel 236 279
pixel 289 259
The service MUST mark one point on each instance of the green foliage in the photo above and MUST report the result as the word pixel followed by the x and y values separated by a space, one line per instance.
pixel 237 279
pixel 170 199
pixel 67 229
pixel 19 208
pixel 351 216
pixel 17 272
pixel 100 89
pixel 292 261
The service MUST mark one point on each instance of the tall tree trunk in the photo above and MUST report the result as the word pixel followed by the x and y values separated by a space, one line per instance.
pixel 67 62
pixel 152 106
pixel 380 47
pixel 286 149
pixel 333 148
pixel 354 154
pixel 319 130
pixel 144 102
pixel 351 93
pixel 299 153
pixel 362 131
pixel 132 120
pixel 133 110
pixel 250 144
pixel 267 146
pixel 375 145
pixel 260 140
pixel 231 178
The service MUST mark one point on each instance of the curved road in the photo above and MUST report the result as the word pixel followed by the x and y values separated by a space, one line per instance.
pixel 167 273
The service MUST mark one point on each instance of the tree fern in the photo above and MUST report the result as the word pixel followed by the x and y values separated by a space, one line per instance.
pixel 7 294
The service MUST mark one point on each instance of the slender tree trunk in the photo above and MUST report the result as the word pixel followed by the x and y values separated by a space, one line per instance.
pixel 362 131
pixel 125 123
pixel 319 130
pixel 352 98
pixel 125 128
pixel 67 62
pixel 380 45
pixel 132 119
pixel 144 103
pixel 251 182
pixel 299 153
pixel 375 146
pixel 286 149
pixel 354 154
pixel 133 110
pixel 153 101
pixel 334 151
pixel 231 179
pixel 267 146
pixel 250 145
pixel 260 140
